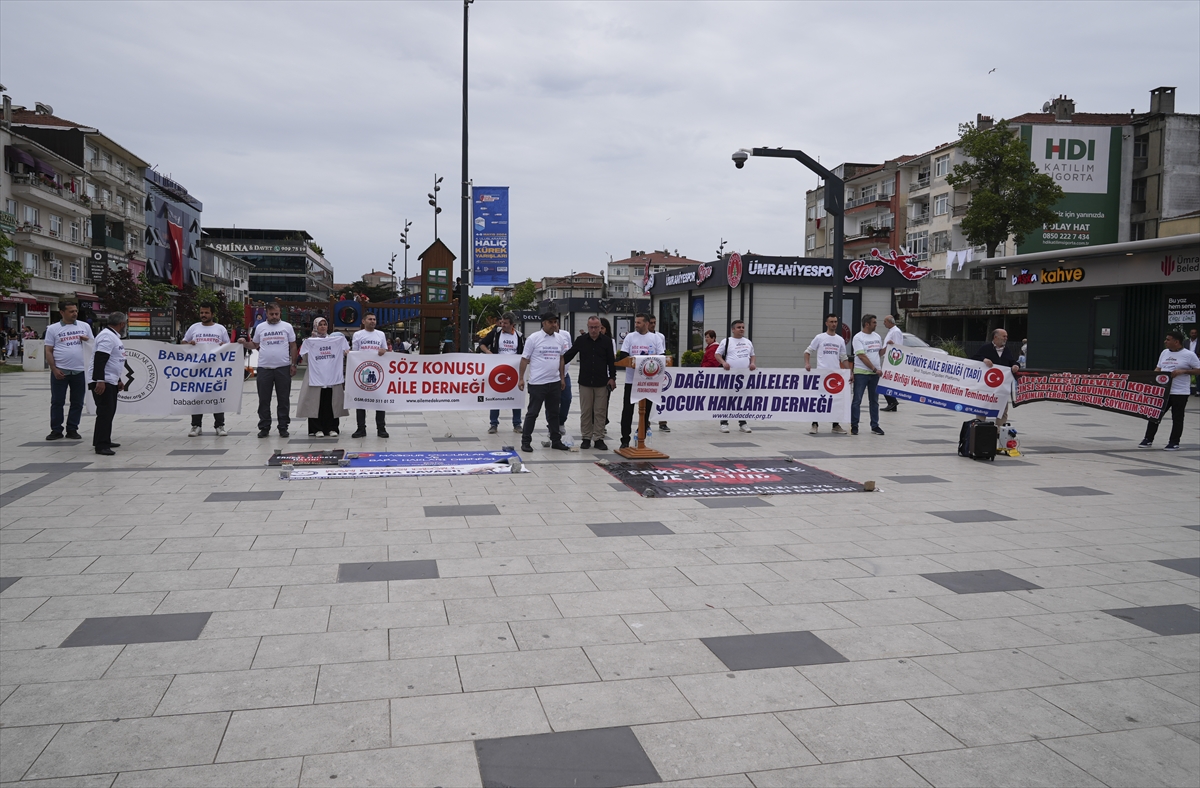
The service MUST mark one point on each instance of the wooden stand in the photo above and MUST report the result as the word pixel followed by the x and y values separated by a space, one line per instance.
pixel 640 452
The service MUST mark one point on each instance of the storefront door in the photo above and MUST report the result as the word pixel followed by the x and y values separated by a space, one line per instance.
pixel 1106 327
pixel 668 325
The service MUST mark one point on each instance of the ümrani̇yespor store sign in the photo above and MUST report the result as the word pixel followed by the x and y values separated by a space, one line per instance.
pixel 876 269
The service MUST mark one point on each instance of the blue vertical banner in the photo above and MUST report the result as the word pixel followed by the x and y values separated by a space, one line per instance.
pixel 490 214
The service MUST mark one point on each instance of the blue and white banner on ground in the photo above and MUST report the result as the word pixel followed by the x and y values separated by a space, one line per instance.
pixel 490 222
pixel 705 393
pixel 161 379
pixel 379 465
pixel 398 382
pixel 943 381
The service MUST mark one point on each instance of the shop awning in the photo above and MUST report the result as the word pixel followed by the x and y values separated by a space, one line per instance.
pixel 18 298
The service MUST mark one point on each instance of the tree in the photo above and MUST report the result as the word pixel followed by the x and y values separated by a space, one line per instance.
pixel 159 296
pixel 485 306
pixel 121 291
pixel 374 293
pixel 524 295
pixel 11 276
pixel 1008 195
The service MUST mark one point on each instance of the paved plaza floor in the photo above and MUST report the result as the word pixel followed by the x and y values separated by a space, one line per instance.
pixel 177 615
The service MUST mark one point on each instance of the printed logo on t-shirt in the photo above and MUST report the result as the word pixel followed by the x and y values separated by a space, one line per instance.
pixel 506 343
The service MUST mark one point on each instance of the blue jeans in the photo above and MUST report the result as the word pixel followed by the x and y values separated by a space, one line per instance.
pixel 495 417
pixel 868 383
pixel 564 403
pixel 58 397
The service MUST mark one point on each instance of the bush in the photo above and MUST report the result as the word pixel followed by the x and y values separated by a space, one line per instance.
pixel 692 358
pixel 952 347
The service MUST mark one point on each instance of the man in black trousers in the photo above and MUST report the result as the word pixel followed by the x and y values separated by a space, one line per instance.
pixel 997 352
pixel 597 377
pixel 107 366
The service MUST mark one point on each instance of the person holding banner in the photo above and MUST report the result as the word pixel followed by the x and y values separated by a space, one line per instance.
pixel 107 366
pixel 868 353
pixel 206 332
pixel 543 368
pixel 662 425
pixel 275 342
pixel 736 352
pixel 322 392
pixel 639 342
pixel 830 350
pixel 894 336
pixel 998 352
pixel 504 340
pixel 1181 364
pixel 367 338
pixel 64 356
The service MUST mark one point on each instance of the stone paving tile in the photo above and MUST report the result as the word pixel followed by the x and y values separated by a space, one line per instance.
pixel 1121 704
pixel 1021 764
pixel 432 764
pixel 321 648
pixel 466 716
pixel 701 748
pixel 82 701
pixel 451 640
pixel 873 773
pixel 1146 757
pixel 19 748
pixel 305 730
pixel 273 773
pixel 999 717
pixel 870 730
pixel 610 703
pixel 397 678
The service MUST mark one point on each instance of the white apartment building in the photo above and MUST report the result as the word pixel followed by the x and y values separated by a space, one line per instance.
pixel 627 277
pixel 577 285
pixel 224 273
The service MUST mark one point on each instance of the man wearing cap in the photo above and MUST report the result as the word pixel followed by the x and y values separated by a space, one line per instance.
pixel 543 369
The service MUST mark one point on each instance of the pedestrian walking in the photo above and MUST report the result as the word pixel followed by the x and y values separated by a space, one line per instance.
pixel 504 340
pixel 639 342
pixel 64 356
pixel 107 365
pixel 207 335
pixel 868 353
pixel 543 369
pixel 736 352
pixel 275 342
pixel 894 336
pixel 597 377
pixel 830 351
pixel 1180 363
pixel 323 389
pixel 367 338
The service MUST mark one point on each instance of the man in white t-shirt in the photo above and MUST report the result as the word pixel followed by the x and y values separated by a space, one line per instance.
pixel 504 341
pixel 736 352
pixel 868 354
pixel 1181 364
pixel 108 364
pixel 367 338
pixel 895 337
pixel 64 356
pixel 662 425
pixel 1193 344
pixel 830 351
pixel 639 342
pixel 275 342
pixel 208 336
pixel 543 369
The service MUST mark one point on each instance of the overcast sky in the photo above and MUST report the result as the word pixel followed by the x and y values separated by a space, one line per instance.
pixel 612 123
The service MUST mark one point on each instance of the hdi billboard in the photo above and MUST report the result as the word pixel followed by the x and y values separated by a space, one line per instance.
pixel 1086 162
pixel 490 204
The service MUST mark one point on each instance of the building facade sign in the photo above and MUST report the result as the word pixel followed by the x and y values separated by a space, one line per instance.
pixel 251 247
pixel 890 270
pixel 1139 269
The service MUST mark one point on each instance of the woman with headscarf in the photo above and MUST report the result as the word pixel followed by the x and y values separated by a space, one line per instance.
pixel 323 389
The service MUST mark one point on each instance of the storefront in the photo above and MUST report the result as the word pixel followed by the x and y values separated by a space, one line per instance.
pixel 1108 307
pixel 783 300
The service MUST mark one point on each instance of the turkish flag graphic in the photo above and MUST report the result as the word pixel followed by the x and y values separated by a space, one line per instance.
pixel 176 233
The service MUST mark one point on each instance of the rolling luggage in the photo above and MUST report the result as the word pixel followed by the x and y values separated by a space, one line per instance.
pixel 977 440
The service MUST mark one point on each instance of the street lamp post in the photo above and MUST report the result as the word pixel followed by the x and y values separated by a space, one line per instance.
pixel 835 205
pixel 433 200
pixel 404 240
pixel 464 281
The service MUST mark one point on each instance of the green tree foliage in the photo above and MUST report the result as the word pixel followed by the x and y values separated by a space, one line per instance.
pixel 485 306
pixel 524 295
pixel 11 276
pixel 374 293
pixel 187 307
pixel 1008 195
pixel 158 295
pixel 121 291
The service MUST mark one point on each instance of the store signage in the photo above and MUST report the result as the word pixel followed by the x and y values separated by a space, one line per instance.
pixel 247 247
pixel 1058 275
pixel 1182 310
pixel 733 270
pixel 1173 264
pixel 1087 165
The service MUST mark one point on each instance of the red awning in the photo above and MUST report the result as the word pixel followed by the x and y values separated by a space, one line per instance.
pixel 18 298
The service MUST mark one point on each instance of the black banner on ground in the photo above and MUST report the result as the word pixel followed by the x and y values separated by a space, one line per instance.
pixel 1140 394
pixel 717 478
pixel 330 457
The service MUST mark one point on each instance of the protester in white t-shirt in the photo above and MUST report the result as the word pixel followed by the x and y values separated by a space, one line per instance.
pixel 830 351
pixel 639 342
pixel 542 368
pixel 662 425
pixel 736 352
pixel 868 354
pixel 1181 364
pixel 322 393
pixel 64 356
pixel 206 335
pixel 504 340
pixel 108 364
pixel 275 342
pixel 895 337
pixel 367 338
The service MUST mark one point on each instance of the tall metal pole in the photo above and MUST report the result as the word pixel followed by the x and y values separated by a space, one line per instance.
pixel 464 249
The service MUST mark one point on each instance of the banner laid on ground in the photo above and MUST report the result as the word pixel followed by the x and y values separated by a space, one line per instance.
pixel 702 393
pixel 943 381
pixel 715 478
pixel 375 465
pixel 454 381
pixel 1141 394
pixel 167 380
pixel 331 457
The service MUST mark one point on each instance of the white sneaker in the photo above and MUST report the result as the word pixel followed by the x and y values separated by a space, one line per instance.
pixel 221 432
pixel 813 430
pixel 744 428
pixel 193 432
pixel 724 428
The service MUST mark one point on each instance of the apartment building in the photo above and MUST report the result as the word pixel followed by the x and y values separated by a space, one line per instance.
pixel 284 265
pixel 224 273
pixel 627 278
pixel 577 285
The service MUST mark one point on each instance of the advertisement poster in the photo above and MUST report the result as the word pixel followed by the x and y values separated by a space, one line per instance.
pixel 1086 162
pixel 716 478
pixel 490 222
pixel 704 393
pixel 331 457
pixel 168 380
pixel 1140 394
pixel 397 382
pixel 941 381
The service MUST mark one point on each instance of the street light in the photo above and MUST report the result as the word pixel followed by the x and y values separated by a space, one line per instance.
pixel 464 249
pixel 433 200
pixel 404 240
pixel 835 198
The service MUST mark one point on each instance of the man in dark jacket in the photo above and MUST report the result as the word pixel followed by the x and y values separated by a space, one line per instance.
pixel 504 340
pixel 597 377
pixel 997 352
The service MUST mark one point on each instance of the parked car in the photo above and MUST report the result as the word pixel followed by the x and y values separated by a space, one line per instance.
pixel 912 340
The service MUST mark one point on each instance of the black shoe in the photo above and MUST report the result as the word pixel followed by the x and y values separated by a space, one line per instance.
pixel 264 433
pixel 361 432
pixel 601 446
pixel 75 436
pixel 624 444
pixel 662 427
pixel 382 433
pixel 54 436
pixel 105 450
pixel 585 444
pixel 877 430
pixel 889 409
pixel 114 445
pixel 526 447
pixel 283 433
pixel 560 446
pixel 854 430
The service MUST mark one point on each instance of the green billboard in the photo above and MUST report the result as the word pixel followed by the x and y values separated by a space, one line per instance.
pixel 1086 162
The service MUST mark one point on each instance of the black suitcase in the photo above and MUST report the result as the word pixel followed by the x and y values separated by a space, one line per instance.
pixel 978 439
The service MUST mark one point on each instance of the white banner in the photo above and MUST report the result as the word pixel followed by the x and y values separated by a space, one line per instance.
pixel 300 474
pixel 703 393
pixel 454 381
pixel 162 379
pixel 942 381
pixel 648 378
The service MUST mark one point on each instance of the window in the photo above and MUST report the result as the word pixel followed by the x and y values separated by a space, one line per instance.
pixel 1141 146
pixel 849 194
pixel 31 216
pixel 56 226
pixel 76 231
pixel 829 237
pixel 810 242
pixel 887 188
pixel 439 295
pixel 1137 231
pixel 31 263
pixel 55 268
pixel 1139 189
pixel 918 244
pixel 553 295
pixel 639 270
pixel 941 166
pixel 11 206
pixel 90 190
pixel 812 213
pixel 939 242
pixel 619 271
pixel 589 293
pixel 439 275
pixel 89 153
pixel 868 192
pixel 941 205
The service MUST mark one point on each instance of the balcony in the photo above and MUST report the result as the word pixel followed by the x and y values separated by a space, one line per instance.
pixel 959 210
pixel 36 190
pixel 922 182
pixel 873 199
pixel 42 238
pixel 918 220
